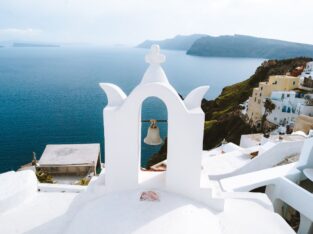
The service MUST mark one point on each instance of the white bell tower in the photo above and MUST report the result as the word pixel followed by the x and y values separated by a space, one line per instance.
pixel 122 123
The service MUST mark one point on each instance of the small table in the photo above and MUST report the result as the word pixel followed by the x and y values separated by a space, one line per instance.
pixel 308 172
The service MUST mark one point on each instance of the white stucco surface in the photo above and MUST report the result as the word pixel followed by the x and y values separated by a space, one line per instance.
pixel 70 154
pixel 238 162
pixel 256 179
pixel 252 218
pixel 124 213
pixel 229 147
pixel 224 163
pixel 282 186
pixel 42 214
pixel 16 188
pixel 251 140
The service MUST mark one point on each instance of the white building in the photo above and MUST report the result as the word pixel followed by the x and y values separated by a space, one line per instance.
pixel 306 78
pixel 255 152
pixel 308 71
pixel 68 163
pixel 288 106
pixel 283 186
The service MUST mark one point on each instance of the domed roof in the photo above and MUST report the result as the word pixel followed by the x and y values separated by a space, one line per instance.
pixel 123 212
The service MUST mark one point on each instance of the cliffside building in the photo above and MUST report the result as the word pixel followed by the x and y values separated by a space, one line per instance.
pixel 306 78
pixel 308 71
pixel 265 89
pixel 288 106
pixel 308 82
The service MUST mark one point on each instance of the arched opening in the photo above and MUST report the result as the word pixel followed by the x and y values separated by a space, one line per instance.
pixel 153 108
pixel 123 124
pixel 290 215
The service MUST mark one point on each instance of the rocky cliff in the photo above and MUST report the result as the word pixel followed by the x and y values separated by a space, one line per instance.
pixel 248 46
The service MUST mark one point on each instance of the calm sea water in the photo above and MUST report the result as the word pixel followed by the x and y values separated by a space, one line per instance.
pixel 51 95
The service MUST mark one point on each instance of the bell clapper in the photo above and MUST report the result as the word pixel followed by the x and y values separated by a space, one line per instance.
pixel 153 123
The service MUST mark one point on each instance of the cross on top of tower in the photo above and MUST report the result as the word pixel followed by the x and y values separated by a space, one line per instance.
pixel 154 56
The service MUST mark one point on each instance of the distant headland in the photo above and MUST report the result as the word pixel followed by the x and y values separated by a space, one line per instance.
pixel 18 43
pixel 234 46
pixel 23 44
pixel 177 43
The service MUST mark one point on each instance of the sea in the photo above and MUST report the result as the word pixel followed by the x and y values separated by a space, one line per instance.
pixel 52 95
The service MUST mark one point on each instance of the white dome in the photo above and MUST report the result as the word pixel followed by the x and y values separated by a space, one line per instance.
pixel 123 212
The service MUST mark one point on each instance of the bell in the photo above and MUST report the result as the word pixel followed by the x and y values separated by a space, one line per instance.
pixel 153 135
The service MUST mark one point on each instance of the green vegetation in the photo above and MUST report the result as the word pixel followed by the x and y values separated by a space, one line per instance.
pixel 223 113
pixel 44 177
pixel 209 124
pixel 84 181
pixel 269 106
pixel 231 126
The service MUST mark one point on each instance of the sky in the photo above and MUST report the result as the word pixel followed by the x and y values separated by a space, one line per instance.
pixel 129 22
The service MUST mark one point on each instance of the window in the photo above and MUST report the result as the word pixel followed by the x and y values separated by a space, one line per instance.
pixel 284 109
pixel 259 101
pixel 294 83
pixel 255 99
pixel 261 88
pixel 275 118
pixel 288 110
pixel 260 94
pixel 288 95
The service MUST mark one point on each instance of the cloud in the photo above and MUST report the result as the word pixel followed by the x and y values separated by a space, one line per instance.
pixel 132 21
pixel 19 33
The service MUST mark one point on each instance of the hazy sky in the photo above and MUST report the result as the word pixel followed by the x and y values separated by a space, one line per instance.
pixel 132 21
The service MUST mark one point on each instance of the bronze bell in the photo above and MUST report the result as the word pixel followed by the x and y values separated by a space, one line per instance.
pixel 153 134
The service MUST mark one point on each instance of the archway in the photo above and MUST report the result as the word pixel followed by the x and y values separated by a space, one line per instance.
pixel 153 108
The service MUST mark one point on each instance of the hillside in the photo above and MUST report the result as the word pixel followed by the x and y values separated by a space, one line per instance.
pixel 222 115
pixel 177 43
pixel 248 46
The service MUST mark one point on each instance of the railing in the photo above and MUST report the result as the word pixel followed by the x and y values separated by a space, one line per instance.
pixel 158 120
